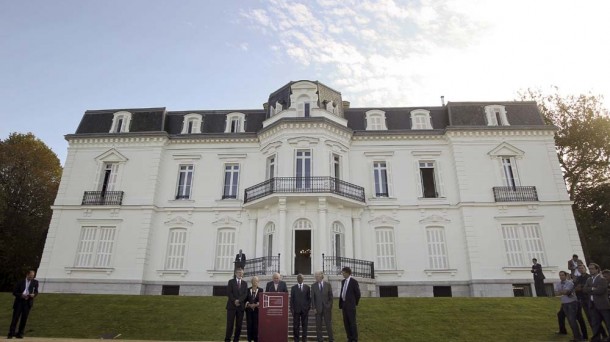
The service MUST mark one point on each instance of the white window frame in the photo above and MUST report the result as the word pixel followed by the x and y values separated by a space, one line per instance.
pixel 375 120
pixel 175 256
pixel 509 163
pixel 240 118
pixel 305 181
pixel 225 249
pixel 196 120
pixel 122 117
pixel 271 167
pixel 229 170
pixel 495 112
pixel 522 243
pixel 184 191
pixel 113 167
pixel 439 187
pixel 438 258
pixel 96 246
pixel 268 235
pixel 385 243
pixel 378 167
pixel 338 229
pixel 420 119
pixel 304 106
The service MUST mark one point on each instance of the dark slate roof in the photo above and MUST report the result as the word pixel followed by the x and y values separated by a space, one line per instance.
pixel 325 94
pixel 524 113
pixel 214 121
pixel 398 118
pixel 142 120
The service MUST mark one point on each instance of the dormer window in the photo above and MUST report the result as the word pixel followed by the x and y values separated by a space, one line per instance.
pixel 191 124
pixel 495 115
pixel 120 122
pixel 303 107
pixel 235 123
pixel 375 120
pixel 420 119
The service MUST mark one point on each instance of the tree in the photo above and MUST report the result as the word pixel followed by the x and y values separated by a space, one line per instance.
pixel 583 137
pixel 582 142
pixel 29 177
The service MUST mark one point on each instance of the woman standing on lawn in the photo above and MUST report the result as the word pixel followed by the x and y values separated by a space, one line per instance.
pixel 252 310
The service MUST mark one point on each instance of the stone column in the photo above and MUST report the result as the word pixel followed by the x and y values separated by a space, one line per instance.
pixel 282 247
pixel 357 234
pixel 253 235
pixel 322 233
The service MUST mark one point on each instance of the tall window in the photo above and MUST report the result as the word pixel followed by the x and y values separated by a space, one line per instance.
pixel 338 239
pixel 437 248
pixel 522 243
pixel 271 167
pixel 336 166
pixel 231 181
pixel 420 119
pixel 120 122
pixel 225 249
pixel 191 124
pixel 185 182
pixel 509 174
pixel 268 241
pixel 386 255
pixel 235 123
pixel 380 174
pixel 375 120
pixel 303 169
pixel 176 249
pixel 95 246
pixel 108 179
pixel 428 179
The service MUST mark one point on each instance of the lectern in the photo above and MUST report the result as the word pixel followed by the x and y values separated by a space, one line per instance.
pixel 273 317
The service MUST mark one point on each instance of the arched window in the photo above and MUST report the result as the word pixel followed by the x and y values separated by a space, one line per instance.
pixel 302 224
pixel 420 119
pixel 225 249
pixel 375 120
pixel 120 122
pixel 191 124
pixel 235 123
pixel 176 249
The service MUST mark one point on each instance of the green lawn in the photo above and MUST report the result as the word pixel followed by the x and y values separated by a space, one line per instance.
pixel 203 318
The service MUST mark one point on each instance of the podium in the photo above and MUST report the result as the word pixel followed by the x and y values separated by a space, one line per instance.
pixel 273 317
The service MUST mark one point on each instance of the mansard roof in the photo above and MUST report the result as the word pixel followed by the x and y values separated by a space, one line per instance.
pixel 454 114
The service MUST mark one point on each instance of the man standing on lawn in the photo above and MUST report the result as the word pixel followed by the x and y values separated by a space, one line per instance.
pixel 237 290
pixel 599 306
pixel 349 296
pixel 569 303
pixel 25 290
pixel 538 278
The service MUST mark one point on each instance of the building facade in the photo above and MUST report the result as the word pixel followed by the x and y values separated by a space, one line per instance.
pixel 458 197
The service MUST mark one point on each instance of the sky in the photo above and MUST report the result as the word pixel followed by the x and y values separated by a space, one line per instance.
pixel 61 58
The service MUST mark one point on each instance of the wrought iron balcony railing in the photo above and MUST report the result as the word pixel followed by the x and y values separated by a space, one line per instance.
pixel 304 185
pixel 332 265
pixel 515 193
pixel 103 198
pixel 262 266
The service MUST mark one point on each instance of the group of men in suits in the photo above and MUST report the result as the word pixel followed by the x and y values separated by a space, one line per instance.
pixel 581 291
pixel 24 291
pixel 318 296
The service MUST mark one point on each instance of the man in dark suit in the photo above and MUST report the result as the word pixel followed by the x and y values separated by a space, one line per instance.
pixel 277 284
pixel 599 306
pixel 322 303
pixel 237 290
pixel 573 266
pixel 538 278
pixel 240 260
pixel 348 300
pixel 25 291
pixel 300 303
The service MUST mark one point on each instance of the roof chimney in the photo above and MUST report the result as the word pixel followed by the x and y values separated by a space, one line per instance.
pixel 443 100
pixel 345 105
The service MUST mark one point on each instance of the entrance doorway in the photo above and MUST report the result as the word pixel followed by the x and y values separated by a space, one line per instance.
pixel 302 249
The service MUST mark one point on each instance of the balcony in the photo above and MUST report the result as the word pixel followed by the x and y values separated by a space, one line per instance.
pixel 103 198
pixel 332 265
pixel 304 185
pixel 515 194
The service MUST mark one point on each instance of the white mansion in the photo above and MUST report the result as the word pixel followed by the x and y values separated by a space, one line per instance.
pixel 444 200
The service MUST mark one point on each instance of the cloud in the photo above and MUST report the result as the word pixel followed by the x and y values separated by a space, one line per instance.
pixel 392 52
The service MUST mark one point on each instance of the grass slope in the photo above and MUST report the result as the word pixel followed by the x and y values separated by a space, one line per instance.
pixel 203 318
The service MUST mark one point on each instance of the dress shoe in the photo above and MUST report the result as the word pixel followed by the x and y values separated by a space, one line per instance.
pixel 19 336
pixel 560 333
pixel 9 337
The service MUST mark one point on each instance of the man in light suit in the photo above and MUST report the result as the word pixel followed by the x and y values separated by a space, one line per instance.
pixel 277 285
pixel 300 303
pixel 599 306
pixel 237 290
pixel 348 300
pixel 25 291
pixel 322 303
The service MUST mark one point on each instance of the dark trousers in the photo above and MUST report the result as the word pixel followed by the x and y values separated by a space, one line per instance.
pixel 561 321
pixel 21 310
pixel 326 315
pixel 234 317
pixel 539 285
pixel 570 311
pixel 252 324
pixel 349 322
pixel 597 317
pixel 299 319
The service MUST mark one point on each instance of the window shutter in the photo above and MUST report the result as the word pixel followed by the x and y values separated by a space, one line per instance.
pixel 372 177
pixel 84 257
pixel 513 163
pixel 105 246
pixel 512 244
pixel 113 175
pixel 505 181
pixel 388 167
pixel 418 180
pixel 439 180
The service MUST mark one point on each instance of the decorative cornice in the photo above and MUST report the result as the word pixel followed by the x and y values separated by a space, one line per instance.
pixel 178 221
pixel 226 221
pixel 383 220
